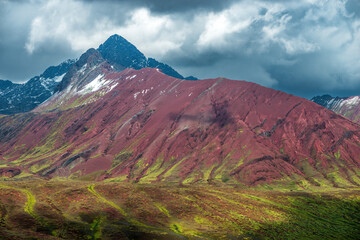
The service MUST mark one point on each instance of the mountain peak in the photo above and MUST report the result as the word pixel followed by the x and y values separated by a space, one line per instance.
pixel 116 37
pixel 54 71
pixel 118 50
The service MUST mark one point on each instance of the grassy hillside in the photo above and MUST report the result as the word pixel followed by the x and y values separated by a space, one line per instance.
pixel 105 210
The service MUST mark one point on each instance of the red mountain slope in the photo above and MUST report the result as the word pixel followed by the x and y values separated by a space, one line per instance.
pixel 145 126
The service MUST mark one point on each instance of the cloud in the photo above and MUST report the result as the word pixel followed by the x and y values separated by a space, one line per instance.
pixel 304 47
pixel 154 35
pixel 74 23
pixel 67 21
pixel 219 26
pixel 15 62
pixel 353 7
pixel 172 6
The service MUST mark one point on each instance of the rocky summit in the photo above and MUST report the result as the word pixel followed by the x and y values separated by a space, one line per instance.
pixel 118 50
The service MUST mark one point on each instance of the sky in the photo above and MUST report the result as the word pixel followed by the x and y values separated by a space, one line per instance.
pixel 302 47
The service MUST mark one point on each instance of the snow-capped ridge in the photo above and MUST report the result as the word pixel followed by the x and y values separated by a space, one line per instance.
pixel 16 98
pixel 346 106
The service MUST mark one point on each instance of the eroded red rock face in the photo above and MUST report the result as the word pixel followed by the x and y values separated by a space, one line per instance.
pixel 146 126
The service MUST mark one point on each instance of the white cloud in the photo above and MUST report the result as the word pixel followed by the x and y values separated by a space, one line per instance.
pixel 275 28
pixel 58 20
pixel 154 35
pixel 73 22
pixel 219 26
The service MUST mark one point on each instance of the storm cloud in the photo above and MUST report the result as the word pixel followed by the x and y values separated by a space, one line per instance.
pixel 306 47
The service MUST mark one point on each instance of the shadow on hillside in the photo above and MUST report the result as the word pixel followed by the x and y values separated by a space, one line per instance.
pixel 91 226
pixel 315 217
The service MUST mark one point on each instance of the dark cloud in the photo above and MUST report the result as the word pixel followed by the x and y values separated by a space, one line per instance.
pixel 173 6
pixel 353 7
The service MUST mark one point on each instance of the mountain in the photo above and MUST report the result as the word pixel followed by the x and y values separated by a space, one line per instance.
pixel 191 78
pixel 118 50
pixel 346 106
pixel 121 54
pixel 166 69
pixel 16 98
pixel 145 126
pixel 5 84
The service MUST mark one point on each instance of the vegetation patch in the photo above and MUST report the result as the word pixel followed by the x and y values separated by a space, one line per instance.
pixel 120 158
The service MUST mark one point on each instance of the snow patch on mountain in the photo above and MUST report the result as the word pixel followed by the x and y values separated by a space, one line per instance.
pixel 49 83
pixel 82 69
pixel 136 94
pixel 58 78
pixel 350 102
pixel 94 85
pixel 99 83
pixel 111 87
pixel 130 77
pixel 334 103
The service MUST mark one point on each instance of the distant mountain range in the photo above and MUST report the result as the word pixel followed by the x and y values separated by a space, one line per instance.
pixel 17 98
pixel 110 122
pixel 346 106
